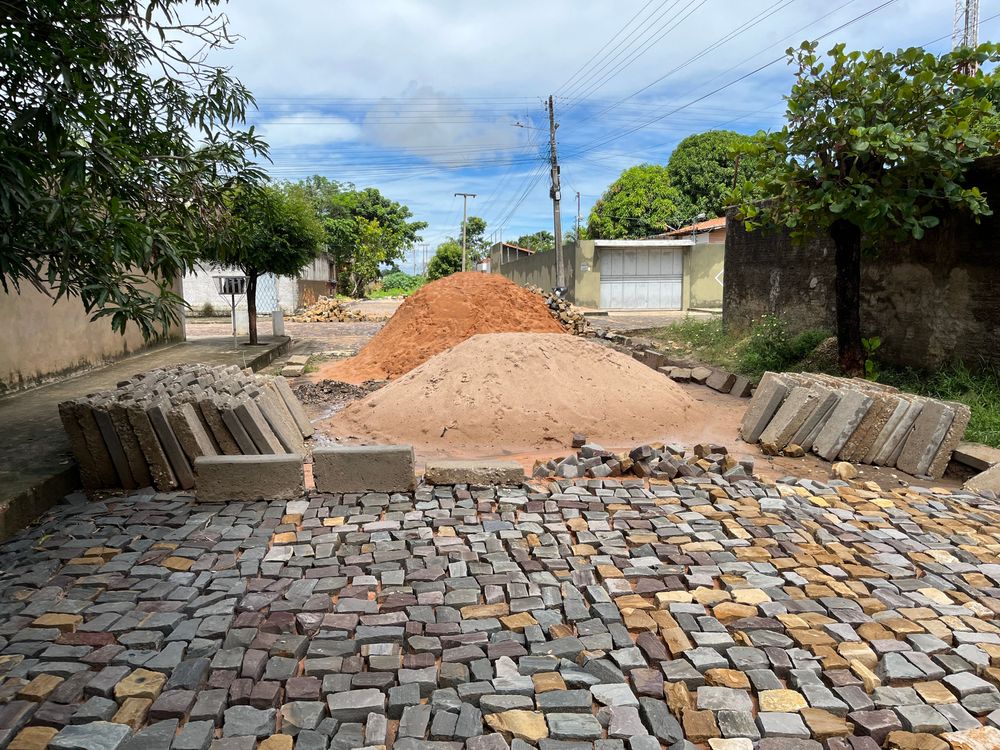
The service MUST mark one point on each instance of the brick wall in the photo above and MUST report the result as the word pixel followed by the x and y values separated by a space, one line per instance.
pixel 931 302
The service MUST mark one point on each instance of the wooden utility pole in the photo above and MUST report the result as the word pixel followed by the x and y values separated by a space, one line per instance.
pixel 555 194
pixel 465 218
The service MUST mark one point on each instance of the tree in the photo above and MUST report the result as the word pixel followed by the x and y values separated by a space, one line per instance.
pixel 641 202
pixel 476 244
pixel 347 214
pixel 117 148
pixel 446 261
pixel 269 231
pixel 875 148
pixel 540 242
pixel 706 167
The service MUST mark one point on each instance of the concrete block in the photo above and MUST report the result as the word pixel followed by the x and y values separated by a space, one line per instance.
pixel 103 466
pixel 681 375
pixel 827 399
pixel 842 423
pixel 257 428
pixel 159 467
pixel 190 432
pixel 454 471
pixel 78 444
pixel 130 444
pixel 223 438
pixel 721 381
pixel 868 430
pixel 293 371
pixel 114 446
pixel 273 408
pixel 236 429
pixel 925 438
pixel 224 478
pixel 951 439
pixel 791 415
pixel 889 455
pixel 976 455
pixel 360 468
pixel 897 416
pixel 700 374
pixel 987 481
pixel 770 393
pixel 742 387
pixel 171 447
pixel 298 413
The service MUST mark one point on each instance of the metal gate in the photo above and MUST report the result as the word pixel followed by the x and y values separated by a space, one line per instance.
pixel 641 278
pixel 267 294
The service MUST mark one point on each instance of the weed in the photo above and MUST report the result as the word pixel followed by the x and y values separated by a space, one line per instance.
pixel 871 345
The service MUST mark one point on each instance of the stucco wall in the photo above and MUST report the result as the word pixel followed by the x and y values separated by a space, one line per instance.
pixel 703 269
pixel 931 302
pixel 200 287
pixel 583 280
pixel 40 340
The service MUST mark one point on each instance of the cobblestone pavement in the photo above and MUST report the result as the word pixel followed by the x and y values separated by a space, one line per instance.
pixel 592 614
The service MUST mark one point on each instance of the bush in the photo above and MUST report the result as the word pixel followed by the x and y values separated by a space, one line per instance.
pixel 770 347
pixel 207 310
pixel 402 281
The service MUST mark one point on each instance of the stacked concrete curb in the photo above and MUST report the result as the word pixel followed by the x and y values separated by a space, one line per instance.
pixel 152 427
pixel 854 420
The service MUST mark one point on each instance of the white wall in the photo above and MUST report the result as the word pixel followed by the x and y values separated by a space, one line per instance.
pixel 199 287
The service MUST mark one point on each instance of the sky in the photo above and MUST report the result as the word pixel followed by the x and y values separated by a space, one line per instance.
pixel 426 99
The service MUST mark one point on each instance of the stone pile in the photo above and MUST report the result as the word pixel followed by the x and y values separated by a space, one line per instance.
pixel 565 312
pixel 655 461
pixel 151 428
pixel 854 420
pixel 328 310
pixel 571 615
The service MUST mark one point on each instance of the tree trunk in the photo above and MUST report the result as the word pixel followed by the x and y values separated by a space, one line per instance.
pixel 847 239
pixel 252 306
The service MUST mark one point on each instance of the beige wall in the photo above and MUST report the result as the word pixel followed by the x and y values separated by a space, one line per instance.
pixel 703 266
pixel 583 280
pixel 40 340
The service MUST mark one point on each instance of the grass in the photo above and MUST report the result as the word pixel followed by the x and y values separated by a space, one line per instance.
pixel 768 347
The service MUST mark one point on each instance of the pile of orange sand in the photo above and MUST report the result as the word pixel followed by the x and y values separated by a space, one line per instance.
pixel 505 393
pixel 438 316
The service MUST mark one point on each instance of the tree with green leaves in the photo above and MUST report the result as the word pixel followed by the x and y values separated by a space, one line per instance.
pixel 875 150
pixel 117 149
pixel 706 167
pixel 446 261
pixel 640 203
pixel 540 242
pixel 269 231
pixel 476 243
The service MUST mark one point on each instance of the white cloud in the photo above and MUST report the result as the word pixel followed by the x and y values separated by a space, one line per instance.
pixel 307 128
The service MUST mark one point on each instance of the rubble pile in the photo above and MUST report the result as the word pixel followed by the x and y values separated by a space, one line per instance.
pixel 853 420
pixel 329 310
pixel 151 428
pixel 648 461
pixel 335 392
pixel 562 310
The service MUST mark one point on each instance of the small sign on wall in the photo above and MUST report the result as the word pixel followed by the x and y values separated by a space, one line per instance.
pixel 584 266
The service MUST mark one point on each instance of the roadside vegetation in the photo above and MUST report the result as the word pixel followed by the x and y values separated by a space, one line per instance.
pixel 768 345
pixel 396 284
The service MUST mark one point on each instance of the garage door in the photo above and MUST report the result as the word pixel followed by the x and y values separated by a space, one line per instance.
pixel 641 278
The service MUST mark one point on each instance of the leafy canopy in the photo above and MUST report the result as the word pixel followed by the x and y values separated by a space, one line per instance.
pixel 703 167
pixel 446 261
pixel 640 203
pixel 540 242
pixel 117 148
pixel 880 140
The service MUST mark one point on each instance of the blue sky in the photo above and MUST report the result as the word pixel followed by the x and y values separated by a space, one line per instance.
pixel 423 100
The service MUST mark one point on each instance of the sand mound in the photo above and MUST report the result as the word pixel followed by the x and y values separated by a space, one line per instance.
pixel 439 316
pixel 509 392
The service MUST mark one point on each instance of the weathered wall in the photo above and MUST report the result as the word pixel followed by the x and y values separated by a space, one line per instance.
pixel 583 280
pixel 931 302
pixel 200 288
pixel 40 340
pixel 703 264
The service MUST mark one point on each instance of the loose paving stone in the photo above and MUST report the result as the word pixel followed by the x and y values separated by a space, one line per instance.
pixel 97 735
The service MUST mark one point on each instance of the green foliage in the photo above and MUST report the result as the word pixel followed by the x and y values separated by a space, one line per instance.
pixel 116 151
pixel 706 167
pixel 871 346
pixel 207 310
pixel 878 139
pixel 641 202
pixel 398 284
pixel 540 242
pixel 978 387
pixel 476 243
pixel 364 229
pixel 269 230
pixel 446 261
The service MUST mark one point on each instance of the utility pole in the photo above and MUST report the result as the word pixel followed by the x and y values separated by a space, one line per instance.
pixel 555 194
pixel 465 218
pixel 578 218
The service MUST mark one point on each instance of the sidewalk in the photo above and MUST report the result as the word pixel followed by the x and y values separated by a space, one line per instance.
pixel 36 466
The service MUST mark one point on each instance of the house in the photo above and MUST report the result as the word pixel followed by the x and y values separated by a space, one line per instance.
pixel 710 231
pixel 505 252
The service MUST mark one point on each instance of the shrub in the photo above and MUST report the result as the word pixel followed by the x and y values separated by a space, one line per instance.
pixel 770 347
pixel 207 310
pixel 402 281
